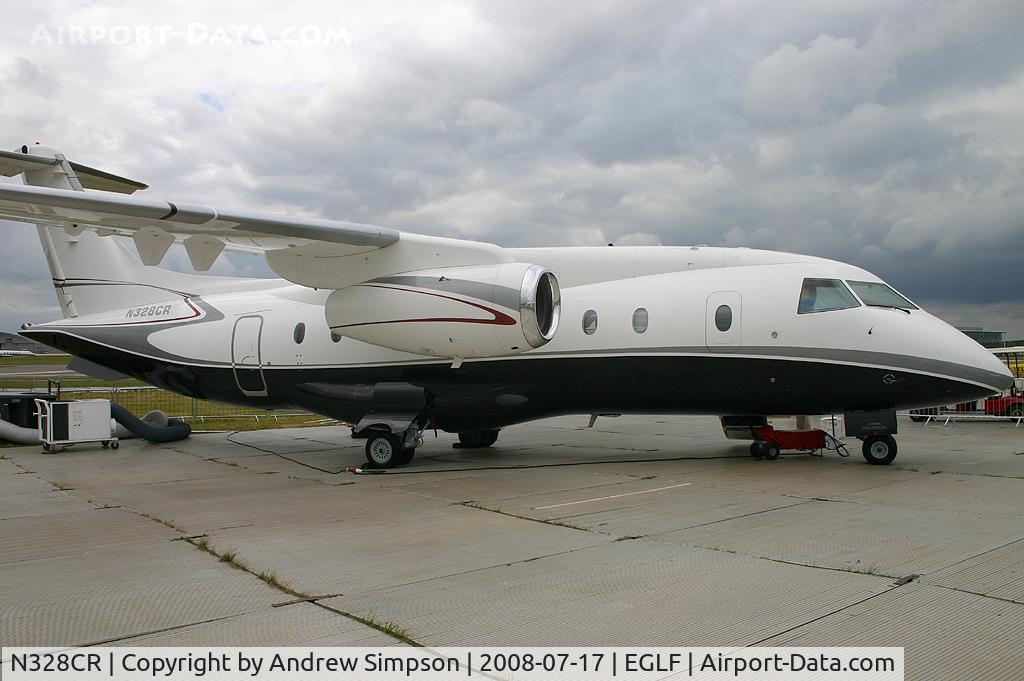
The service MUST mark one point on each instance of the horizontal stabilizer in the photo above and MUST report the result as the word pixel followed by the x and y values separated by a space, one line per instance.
pixel 14 163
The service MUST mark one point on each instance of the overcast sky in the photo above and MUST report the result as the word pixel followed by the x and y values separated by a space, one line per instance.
pixel 886 134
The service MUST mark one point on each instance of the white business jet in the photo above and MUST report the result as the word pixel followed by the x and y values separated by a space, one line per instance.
pixel 398 332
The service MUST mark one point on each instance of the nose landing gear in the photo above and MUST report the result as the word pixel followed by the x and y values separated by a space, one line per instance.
pixel 876 429
pixel 879 450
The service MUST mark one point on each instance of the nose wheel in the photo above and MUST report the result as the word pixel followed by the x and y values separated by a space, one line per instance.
pixel 879 450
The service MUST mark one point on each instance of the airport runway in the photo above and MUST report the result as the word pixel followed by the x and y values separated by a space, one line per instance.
pixel 641 531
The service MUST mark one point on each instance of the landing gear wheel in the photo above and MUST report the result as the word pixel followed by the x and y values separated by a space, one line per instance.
pixel 407 455
pixel 879 450
pixel 770 451
pixel 105 444
pixel 755 450
pixel 46 446
pixel 384 450
pixel 115 444
pixel 478 439
pixel 1016 411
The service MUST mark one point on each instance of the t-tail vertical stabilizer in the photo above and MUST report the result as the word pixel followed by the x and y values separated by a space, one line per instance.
pixel 93 271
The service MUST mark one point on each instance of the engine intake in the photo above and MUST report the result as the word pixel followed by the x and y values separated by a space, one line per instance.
pixel 470 312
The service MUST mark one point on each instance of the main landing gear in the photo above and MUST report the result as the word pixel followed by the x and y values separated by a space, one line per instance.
pixel 387 450
pixel 393 427
pixel 477 439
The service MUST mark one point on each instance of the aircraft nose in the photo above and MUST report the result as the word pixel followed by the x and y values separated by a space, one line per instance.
pixel 983 359
pixel 990 369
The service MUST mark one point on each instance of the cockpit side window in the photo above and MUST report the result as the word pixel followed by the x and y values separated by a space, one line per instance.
pixel 877 294
pixel 822 295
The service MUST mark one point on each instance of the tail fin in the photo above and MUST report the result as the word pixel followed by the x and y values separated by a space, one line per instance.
pixel 93 273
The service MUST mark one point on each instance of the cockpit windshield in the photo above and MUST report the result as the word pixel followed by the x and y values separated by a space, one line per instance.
pixel 876 294
pixel 822 295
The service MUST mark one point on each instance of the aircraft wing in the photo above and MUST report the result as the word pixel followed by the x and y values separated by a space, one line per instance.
pixel 308 251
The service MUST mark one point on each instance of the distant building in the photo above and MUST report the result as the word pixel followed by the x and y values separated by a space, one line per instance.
pixel 989 339
pixel 12 341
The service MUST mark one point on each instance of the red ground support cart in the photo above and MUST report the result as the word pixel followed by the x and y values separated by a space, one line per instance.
pixel 770 442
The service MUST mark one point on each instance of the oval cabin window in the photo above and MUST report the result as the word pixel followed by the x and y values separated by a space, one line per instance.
pixel 640 319
pixel 300 332
pixel 589 322
pixel 723 318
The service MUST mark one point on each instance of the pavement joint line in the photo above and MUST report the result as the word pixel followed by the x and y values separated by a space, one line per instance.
pixel 742 515
pixel 974 593
pixel 900 581
pixel 543 521
pixel 821 617
pixel 978 555
pixel 479 569
pixel 398 488
pixel 311 599
pixel 870 572
pixel 391 629
pixel 968 473
pixel 154 631
pixel 270 579
pixel 612 496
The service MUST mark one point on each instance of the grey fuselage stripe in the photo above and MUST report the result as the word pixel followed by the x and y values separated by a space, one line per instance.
pixel 138 343
pixel 832 355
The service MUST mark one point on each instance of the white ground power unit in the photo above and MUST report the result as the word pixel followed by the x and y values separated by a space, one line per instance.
pixel 62 424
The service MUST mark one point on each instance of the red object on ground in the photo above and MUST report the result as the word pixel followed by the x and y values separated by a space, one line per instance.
pixel 792 439
pixel 1005 405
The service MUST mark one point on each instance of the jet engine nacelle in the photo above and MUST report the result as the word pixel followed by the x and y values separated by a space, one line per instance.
pixel 477 311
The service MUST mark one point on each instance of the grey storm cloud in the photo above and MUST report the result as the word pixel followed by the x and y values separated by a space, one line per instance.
pixel 882 134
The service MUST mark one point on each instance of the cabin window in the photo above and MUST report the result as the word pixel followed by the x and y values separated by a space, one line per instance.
pixel 822 295
pixel 299 334
pixel 640 319
pixel 723 318
pixel 335 337
pixel 589 322
pixel 877 294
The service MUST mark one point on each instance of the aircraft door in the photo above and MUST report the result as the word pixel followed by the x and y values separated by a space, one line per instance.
pixel 245 356
pixel 722 322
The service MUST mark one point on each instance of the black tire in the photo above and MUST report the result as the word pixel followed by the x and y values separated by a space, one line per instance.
pixel 1016 411
pixel 384 450
pixel 770 451
pixel 879 450
pixel 755 450
pixel 478 439
pixel 407 455
pixel 115 444
pixel 46 447
pixel 917 418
